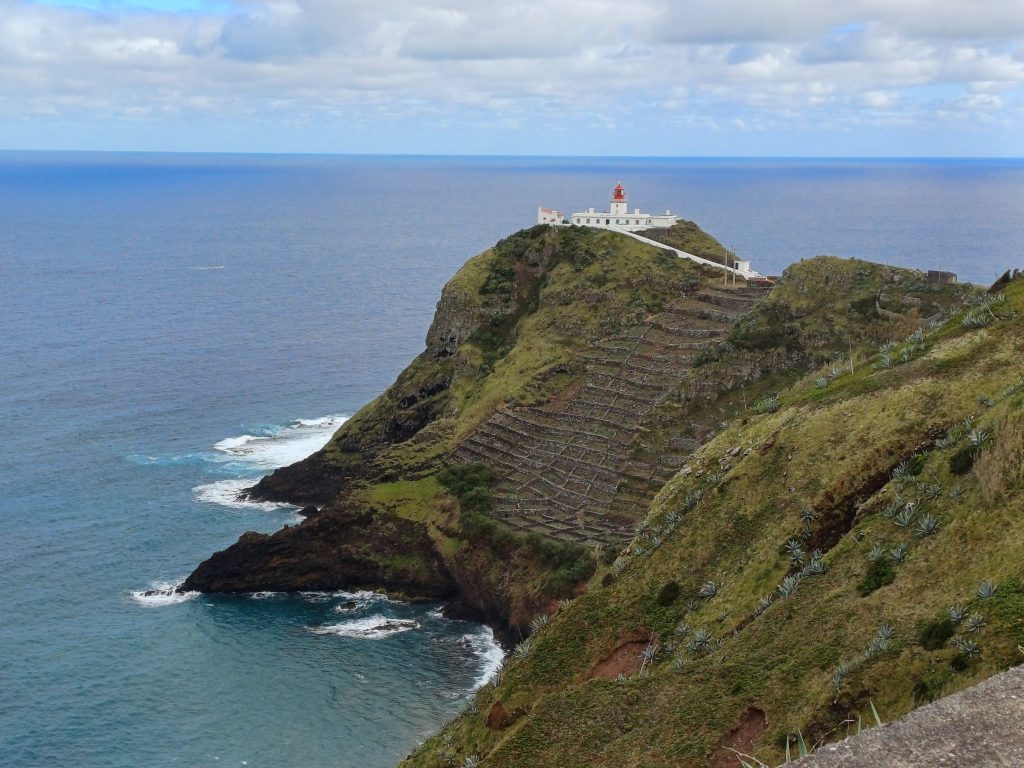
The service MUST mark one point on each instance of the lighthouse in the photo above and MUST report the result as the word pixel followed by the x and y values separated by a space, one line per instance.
pixel 618 216
pixel 619 201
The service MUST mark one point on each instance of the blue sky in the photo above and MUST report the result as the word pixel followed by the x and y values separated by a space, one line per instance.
pixel 592 77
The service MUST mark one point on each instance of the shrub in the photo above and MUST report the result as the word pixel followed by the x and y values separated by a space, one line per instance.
pixel 960 463
pixel 880 574
pixel 934 634
pixel 669 593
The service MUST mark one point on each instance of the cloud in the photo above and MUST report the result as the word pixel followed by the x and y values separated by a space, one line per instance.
pixel 558 66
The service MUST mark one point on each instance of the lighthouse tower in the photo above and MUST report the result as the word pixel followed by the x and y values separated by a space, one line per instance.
pixel 619 201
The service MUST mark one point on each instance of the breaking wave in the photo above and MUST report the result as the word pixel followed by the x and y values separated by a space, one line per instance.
pixel 371 628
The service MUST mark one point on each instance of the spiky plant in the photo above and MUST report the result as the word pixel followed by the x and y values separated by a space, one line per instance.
pixel 708 590
pixel 678 663
pixel 763 605
pixel 621 679
pixel 814 568
pixel 956 492
pixel 808 516
pixel 898 553
pixel 821 382
pixel 967 647
pixel 473 761
pixel 789 585
pixel 975 623
pixel 890 509
pixel 649 653
pixel 901 473
pixel 977 437
pixel 522 650
pixel 885 632
pixel 957 613
pixel 986 590
pixel 876 647
pixel 840 675
pixel 877 552
pixel 905 517
pixel 539 622
pixel 682 629
pixel 927 526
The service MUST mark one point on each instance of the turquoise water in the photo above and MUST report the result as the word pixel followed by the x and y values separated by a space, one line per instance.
pixel 174 326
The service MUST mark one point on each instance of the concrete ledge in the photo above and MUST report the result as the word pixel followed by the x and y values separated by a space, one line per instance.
pixel 982 727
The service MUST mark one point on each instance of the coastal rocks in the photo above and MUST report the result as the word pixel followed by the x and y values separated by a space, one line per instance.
pixel 338 549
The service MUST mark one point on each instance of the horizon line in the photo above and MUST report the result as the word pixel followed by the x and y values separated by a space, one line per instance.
pixel 523 156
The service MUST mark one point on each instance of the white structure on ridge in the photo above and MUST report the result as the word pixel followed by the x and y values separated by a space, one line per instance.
pixel 617 217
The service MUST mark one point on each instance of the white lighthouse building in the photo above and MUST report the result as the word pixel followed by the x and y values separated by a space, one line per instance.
pixel 617 216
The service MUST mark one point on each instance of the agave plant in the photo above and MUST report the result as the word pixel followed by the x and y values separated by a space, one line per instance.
pixel 473 761
pixel 649 653
pixel 901 472
pixel 840 675
pixel 682 629
pixel 956 492
pixel 522 650
pixel 678 663
pixel 763 605
pixel 977 437
pixel 889 510
pixel 967 647
pixel 927 526
pixel 898 553
pixel 957 613
pixel 789 585
pixel 975 623
pixel 708 590
pixel 821 382
pixel 905 517
pixel 808 516
pixel 986 589
pixel 621 679
pixel 885 632
pixel 876 553
pixel 986 402
pixel 876 647
pixel 814 568
pixel 539 622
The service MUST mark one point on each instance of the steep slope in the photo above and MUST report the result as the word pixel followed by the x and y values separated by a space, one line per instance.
pixel 854 536
pixel 553 325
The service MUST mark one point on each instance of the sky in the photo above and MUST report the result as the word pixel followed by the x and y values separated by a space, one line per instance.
pixel 874 78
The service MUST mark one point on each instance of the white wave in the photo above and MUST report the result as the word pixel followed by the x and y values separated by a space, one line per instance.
pixel 283 445
pixel 371 628
pixel 487 648
pixel 227 493
pixel 262 595
pixel 162 593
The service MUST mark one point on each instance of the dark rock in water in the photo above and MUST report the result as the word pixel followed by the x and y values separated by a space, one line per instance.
pixel 348 606
pixel 338 548
pixel 309 511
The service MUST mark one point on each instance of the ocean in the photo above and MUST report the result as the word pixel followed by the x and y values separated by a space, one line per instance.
pixel 173 326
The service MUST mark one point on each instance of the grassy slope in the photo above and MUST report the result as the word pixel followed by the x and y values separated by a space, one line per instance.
pixel 831 448
pixel 540 296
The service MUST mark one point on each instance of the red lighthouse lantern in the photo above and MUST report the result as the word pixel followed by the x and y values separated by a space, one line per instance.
pixel 620 193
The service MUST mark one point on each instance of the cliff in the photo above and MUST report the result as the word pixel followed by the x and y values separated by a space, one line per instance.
pixel 851 541
pixel 726 514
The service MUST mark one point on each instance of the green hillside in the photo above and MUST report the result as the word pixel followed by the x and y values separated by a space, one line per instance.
pixel 855 537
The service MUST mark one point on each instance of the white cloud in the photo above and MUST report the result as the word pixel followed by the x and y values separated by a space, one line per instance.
pixel 529 65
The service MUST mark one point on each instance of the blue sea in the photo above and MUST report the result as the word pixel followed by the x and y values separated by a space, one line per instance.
pixel 173 326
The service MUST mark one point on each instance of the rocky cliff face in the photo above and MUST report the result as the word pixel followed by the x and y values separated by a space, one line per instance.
pixel 583 368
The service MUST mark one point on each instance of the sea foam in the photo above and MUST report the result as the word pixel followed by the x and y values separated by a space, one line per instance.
pixel 282 445
pixel 371 628
pixel 161 593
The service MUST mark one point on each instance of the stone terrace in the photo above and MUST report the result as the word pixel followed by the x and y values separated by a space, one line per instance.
pixel 564 468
